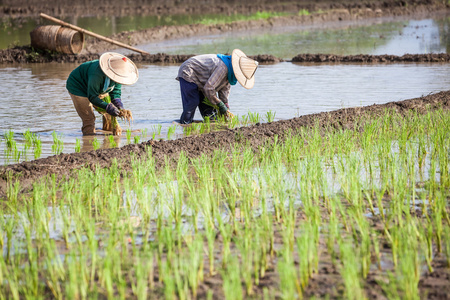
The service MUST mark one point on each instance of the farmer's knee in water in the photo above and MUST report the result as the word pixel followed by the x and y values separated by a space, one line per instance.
pixel 187 117
pixel 88 129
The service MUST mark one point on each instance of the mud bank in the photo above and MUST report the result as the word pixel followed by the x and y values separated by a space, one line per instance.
pixel 63 165
pixel 22 8
pixel 26 54
pixel 327 58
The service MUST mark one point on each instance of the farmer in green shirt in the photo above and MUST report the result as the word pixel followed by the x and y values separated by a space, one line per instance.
pixel 90 82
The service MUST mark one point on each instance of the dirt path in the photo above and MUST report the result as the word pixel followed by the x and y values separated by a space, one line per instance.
pixel 194 146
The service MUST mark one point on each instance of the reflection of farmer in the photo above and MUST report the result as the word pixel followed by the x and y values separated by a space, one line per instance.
pixel 205 75
pixel 90 82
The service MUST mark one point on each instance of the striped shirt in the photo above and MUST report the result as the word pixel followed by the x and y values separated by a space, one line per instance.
pixel 209 73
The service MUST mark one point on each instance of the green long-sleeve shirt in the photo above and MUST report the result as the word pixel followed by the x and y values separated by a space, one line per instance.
pixel 88 80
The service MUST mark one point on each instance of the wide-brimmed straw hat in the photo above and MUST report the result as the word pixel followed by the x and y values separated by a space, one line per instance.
pixel 119 68
pixel 244 68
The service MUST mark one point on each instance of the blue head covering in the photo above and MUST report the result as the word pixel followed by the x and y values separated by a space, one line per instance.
pixel 227 60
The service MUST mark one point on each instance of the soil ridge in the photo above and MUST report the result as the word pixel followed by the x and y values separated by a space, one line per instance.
pixel 64 165
pixel 26 54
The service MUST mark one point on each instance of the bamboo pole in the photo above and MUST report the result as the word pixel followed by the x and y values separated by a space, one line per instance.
pixel 62 23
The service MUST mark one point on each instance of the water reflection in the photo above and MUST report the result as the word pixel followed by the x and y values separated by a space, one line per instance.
pixel 376 36
pixel 35 98
pixel 17 31
pixel 395 38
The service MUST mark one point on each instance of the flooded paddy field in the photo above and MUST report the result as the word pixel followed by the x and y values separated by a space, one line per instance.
pixel 42 105
pixel 289 90
pixel 345 213
pixel 341 38
pixel 342 194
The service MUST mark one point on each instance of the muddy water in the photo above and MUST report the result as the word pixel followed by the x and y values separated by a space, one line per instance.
pixel 396 38
pixel 37 100
pixel 17 31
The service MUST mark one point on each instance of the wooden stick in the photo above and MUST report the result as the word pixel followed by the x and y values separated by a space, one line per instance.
pixel 62 23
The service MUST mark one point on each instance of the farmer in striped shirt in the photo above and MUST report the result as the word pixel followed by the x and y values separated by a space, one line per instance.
pixel 211 76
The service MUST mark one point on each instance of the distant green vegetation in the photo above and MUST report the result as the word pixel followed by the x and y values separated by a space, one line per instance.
pixel 239 17
pixel 303 12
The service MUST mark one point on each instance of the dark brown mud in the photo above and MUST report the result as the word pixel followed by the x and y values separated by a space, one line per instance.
pixel 363 58
pixel 26 54
pixel 256 136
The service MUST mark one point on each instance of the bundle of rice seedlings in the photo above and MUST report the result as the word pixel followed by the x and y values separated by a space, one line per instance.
pixel 227 116
pixel 110 123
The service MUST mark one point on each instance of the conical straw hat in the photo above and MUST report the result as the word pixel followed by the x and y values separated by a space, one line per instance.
pixel 244 68
pixel 119 68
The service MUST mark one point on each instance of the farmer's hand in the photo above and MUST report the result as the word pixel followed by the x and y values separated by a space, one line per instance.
pixel 229 115
pixel 117 102
pixel 222 108
pixel 112 110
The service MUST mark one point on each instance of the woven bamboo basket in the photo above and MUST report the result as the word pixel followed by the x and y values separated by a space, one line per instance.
pixel 57 38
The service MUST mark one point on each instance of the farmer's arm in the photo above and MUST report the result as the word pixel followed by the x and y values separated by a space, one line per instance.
pixel 117 91
pixel 214 81
pixel 94 89
pixel 223 94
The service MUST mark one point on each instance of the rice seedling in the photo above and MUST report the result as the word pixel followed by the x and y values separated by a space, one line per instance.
pixel 28 137
pixel 188 130
pixel 112 142
pixel 233 122
pixel 157 129
pixel 58 143
pixel 9 139
pixel 232 281
pixel 171 131
pixel 350 271
pixel 144 133
pixel 146 232
pixel 137 139
pixel 245 120
pixel 128 135
pixel 95 143
pixel 270 116
pixel 289 285
pixel 446 239
pixel 77 145
pixel 254 118
pixel 37 145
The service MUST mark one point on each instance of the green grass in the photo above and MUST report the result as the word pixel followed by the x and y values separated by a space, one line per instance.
pixel 236 215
